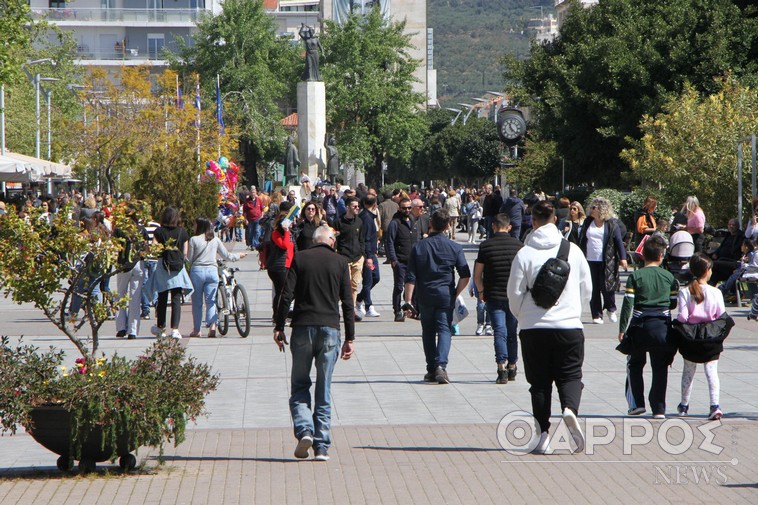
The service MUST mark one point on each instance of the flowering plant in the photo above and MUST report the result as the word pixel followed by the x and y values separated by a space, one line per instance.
pixel 148 399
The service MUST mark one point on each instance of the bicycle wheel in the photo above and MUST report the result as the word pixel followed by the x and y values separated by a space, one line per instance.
pixel 241 310
pixel 222 307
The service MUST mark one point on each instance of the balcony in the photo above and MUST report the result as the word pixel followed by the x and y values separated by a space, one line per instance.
pixel 123 17
pixel 116 56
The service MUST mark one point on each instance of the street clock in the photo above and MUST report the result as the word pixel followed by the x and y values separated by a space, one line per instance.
pixel 511 125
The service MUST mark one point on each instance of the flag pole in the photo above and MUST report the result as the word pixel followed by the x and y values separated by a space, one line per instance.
pixel 219 112
pixel 197 105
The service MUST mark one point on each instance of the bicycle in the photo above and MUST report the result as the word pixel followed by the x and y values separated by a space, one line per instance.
pixel 231 299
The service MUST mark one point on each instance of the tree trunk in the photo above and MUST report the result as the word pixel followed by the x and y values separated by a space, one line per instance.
pixel 374 172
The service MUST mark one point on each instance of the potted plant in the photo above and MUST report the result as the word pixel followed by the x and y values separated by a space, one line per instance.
pixel 95 408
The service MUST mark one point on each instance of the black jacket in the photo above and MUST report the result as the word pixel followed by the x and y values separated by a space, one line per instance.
pixel 399 242
pixel 350 241
pixel 613 250
pixel 370 233
pixel 496 254
pixel 318 279
pixel 702 342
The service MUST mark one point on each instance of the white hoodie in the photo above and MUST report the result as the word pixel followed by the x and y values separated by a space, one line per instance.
pixel 541 245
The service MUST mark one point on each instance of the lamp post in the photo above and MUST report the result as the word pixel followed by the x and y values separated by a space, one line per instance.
pixel 36 81
pixel 458 113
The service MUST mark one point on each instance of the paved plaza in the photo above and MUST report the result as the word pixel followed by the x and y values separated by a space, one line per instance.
pixel 400 440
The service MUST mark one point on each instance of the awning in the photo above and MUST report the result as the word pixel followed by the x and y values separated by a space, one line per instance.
pixel 13 170
pixel 36 168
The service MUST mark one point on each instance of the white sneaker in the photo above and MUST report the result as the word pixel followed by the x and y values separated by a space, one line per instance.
pixel 613 317
pixel 158 331
pixel 175 334
pixel 480 329
pixel 598 320
pixel 360 310
pixel 372 312
pixel 543 446
pixel 573 426
pixel 488 330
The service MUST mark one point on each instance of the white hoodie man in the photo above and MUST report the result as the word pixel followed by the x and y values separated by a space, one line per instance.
pixel 552 340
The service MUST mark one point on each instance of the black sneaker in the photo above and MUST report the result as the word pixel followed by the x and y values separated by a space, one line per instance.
pixel 357 318
pixel 512 371
pixel 502 377
pixel 121 334
pixel 145 315
pixel 441 375
pixel 430 377
pixel 399 317
pixel 131 337
pixel 321 454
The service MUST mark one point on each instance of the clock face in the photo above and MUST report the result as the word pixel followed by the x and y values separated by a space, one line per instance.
pixel 512 127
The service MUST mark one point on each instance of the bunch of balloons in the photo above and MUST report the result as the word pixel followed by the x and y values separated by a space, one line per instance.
pixel 225 172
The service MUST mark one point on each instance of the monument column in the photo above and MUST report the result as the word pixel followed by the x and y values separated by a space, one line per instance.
pixel 311 126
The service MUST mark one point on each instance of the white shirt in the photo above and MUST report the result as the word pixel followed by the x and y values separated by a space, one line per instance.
pixel 595 237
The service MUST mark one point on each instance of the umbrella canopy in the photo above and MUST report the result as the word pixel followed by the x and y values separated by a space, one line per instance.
pixel 41 168
pixel 13 170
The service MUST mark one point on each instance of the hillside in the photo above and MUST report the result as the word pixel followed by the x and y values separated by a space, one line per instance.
pixel 469 38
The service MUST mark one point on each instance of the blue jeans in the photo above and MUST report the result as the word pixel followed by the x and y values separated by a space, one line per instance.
pixel 370 279
pixel 435 335
pixel 504 326
pixel 149 271
pixel 482 317
pixel 253 234
pixel 85 284
pixel 322 344
pixel 205 286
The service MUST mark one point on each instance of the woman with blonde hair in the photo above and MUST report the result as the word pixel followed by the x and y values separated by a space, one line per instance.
pixel 603 245
pixel 695 221
pixel 571 227
pixel 453 206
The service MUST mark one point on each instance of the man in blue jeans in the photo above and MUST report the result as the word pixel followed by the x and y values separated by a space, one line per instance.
pixel 318 279
pixel 431 269
pixel 491 272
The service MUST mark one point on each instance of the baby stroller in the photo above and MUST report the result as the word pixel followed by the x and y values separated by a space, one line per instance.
pixel 681 249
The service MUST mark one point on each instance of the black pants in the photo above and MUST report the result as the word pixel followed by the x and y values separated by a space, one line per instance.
pixel 398 273
pixel 176 307
pixel 722 270
pixel 608 301
pixel 553 356
pixel 277 276
pixel 660 359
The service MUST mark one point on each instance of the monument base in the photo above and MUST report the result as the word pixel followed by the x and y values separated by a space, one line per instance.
pixel 311 127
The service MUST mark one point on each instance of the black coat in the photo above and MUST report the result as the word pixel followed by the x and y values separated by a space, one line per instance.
pixel 702 342
pixel 613 250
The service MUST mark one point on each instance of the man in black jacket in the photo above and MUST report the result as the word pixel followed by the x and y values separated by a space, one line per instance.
pixel 368 215
pixel 514 207
pixel 318 279
pixel 398 251
pixel 491 273
pixel 350 242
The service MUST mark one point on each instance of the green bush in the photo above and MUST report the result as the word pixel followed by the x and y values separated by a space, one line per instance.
pixel 389 188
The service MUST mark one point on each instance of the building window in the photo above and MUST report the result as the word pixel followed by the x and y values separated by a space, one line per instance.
pixel 155 43
pixel 57 4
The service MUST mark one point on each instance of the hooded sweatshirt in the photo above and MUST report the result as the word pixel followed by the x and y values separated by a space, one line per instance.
pixel 541 245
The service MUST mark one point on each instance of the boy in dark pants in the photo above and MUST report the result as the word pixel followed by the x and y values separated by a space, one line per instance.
pixel 646 318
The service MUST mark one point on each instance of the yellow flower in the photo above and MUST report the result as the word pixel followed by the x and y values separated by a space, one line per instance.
pixel 63 369
pixel 101 374
pixel 101 361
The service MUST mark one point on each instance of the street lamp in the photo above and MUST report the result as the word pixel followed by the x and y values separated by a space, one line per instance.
pixel 470 110
pixel 457 115
pixel 36 81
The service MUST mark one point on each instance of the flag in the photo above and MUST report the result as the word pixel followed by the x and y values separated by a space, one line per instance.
pixel 219 106
pixel 197 100
pixel 179 100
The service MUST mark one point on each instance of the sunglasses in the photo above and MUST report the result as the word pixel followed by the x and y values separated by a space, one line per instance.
pixel 405 208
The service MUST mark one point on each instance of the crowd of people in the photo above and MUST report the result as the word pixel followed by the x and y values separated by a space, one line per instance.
pixel 322 251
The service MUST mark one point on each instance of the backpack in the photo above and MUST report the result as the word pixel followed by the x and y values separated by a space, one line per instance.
pixel 172 260
pixel 552 278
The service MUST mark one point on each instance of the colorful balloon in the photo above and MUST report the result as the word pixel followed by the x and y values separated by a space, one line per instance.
pixel 223 163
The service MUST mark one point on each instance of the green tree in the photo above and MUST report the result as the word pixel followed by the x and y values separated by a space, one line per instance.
pixel 371 104
pixel 690 148
pixel 257 69
pixel 622 59
pixel 14 17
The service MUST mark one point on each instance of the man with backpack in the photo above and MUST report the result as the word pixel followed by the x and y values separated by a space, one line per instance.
pixel 552 338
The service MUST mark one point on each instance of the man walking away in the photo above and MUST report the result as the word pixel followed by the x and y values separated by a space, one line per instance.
pixel 318 280
pixel 514 207
pixel 552 340
pixel 387 209
pixel 491 272
pixel 431 269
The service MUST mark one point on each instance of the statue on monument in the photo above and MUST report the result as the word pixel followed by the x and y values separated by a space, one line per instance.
pixel 332 158
pixel 291 162
pixel 312 50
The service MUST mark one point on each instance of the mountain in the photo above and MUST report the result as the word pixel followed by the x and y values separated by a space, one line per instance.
pixel 470 36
